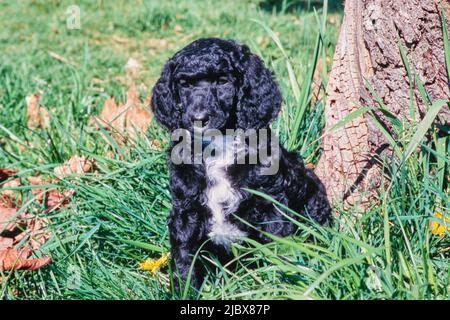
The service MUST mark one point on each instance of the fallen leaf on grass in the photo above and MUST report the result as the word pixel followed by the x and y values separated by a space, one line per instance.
pixel 137 116
pixel 14 228
pixel 7 219
pixel 35 230
pixel 6 201
pixel 110 115
pixel 7 197
pixel 6 243
pixel 56 199
pixel 75 165
pixel 125 120
pixel 137 121
pixel 10 184
pixel 37 116
pixel 14 259
pixel 29 231
pixel 5 174
pixel 52 198
pixel 38 193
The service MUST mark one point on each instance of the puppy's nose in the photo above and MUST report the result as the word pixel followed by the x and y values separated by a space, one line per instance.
pixel 200 117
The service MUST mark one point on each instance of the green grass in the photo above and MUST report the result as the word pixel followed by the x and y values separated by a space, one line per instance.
pixel 118 215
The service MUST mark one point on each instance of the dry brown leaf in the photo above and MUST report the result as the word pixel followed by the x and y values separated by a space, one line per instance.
pixel 111 118
pixel 36 231
pixel 56 199
pixel 37 116
pixel 75 165
pixel 7 201
pixel 6 243
pixel 132 97
pixel 109 114
pixel 13 259
pixel 7 197
pixel 37 192
pixel 137 121
pixel 129 119
pixel 7 219
pixel 36 180
pixel 15 228
pixel 10 184
pixel 5 174
pixel 39 234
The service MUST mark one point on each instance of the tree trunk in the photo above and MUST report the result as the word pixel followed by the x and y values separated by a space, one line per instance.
pixel 367 52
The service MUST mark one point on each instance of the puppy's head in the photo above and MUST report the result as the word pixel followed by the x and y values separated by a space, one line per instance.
pixel 218 84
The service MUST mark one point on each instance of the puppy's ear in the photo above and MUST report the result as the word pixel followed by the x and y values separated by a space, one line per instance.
pixel 259 97
pixel 164 103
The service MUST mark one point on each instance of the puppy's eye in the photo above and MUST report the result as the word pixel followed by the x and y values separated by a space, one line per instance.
pixel 184 83
pixel 222 80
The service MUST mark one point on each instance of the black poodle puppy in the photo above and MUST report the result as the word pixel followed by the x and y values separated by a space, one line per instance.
pixel 224 86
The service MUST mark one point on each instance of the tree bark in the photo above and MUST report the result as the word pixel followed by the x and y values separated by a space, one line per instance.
pixel 367 52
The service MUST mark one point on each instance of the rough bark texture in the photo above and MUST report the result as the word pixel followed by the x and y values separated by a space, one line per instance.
pixel 367 50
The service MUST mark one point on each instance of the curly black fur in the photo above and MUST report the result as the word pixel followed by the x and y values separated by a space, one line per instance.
pixel 224 84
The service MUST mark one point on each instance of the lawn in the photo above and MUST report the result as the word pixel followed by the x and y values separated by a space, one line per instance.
pixel 117 216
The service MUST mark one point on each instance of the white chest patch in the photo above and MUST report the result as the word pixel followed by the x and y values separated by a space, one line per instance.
pixel 222 198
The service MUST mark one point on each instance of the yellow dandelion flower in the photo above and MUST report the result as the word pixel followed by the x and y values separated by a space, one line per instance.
pixel 438 228
pixel 153 265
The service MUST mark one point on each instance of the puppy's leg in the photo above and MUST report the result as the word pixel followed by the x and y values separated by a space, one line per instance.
pixel 304 189
pixel 186 233
pixel 317 206
pixel 182 258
